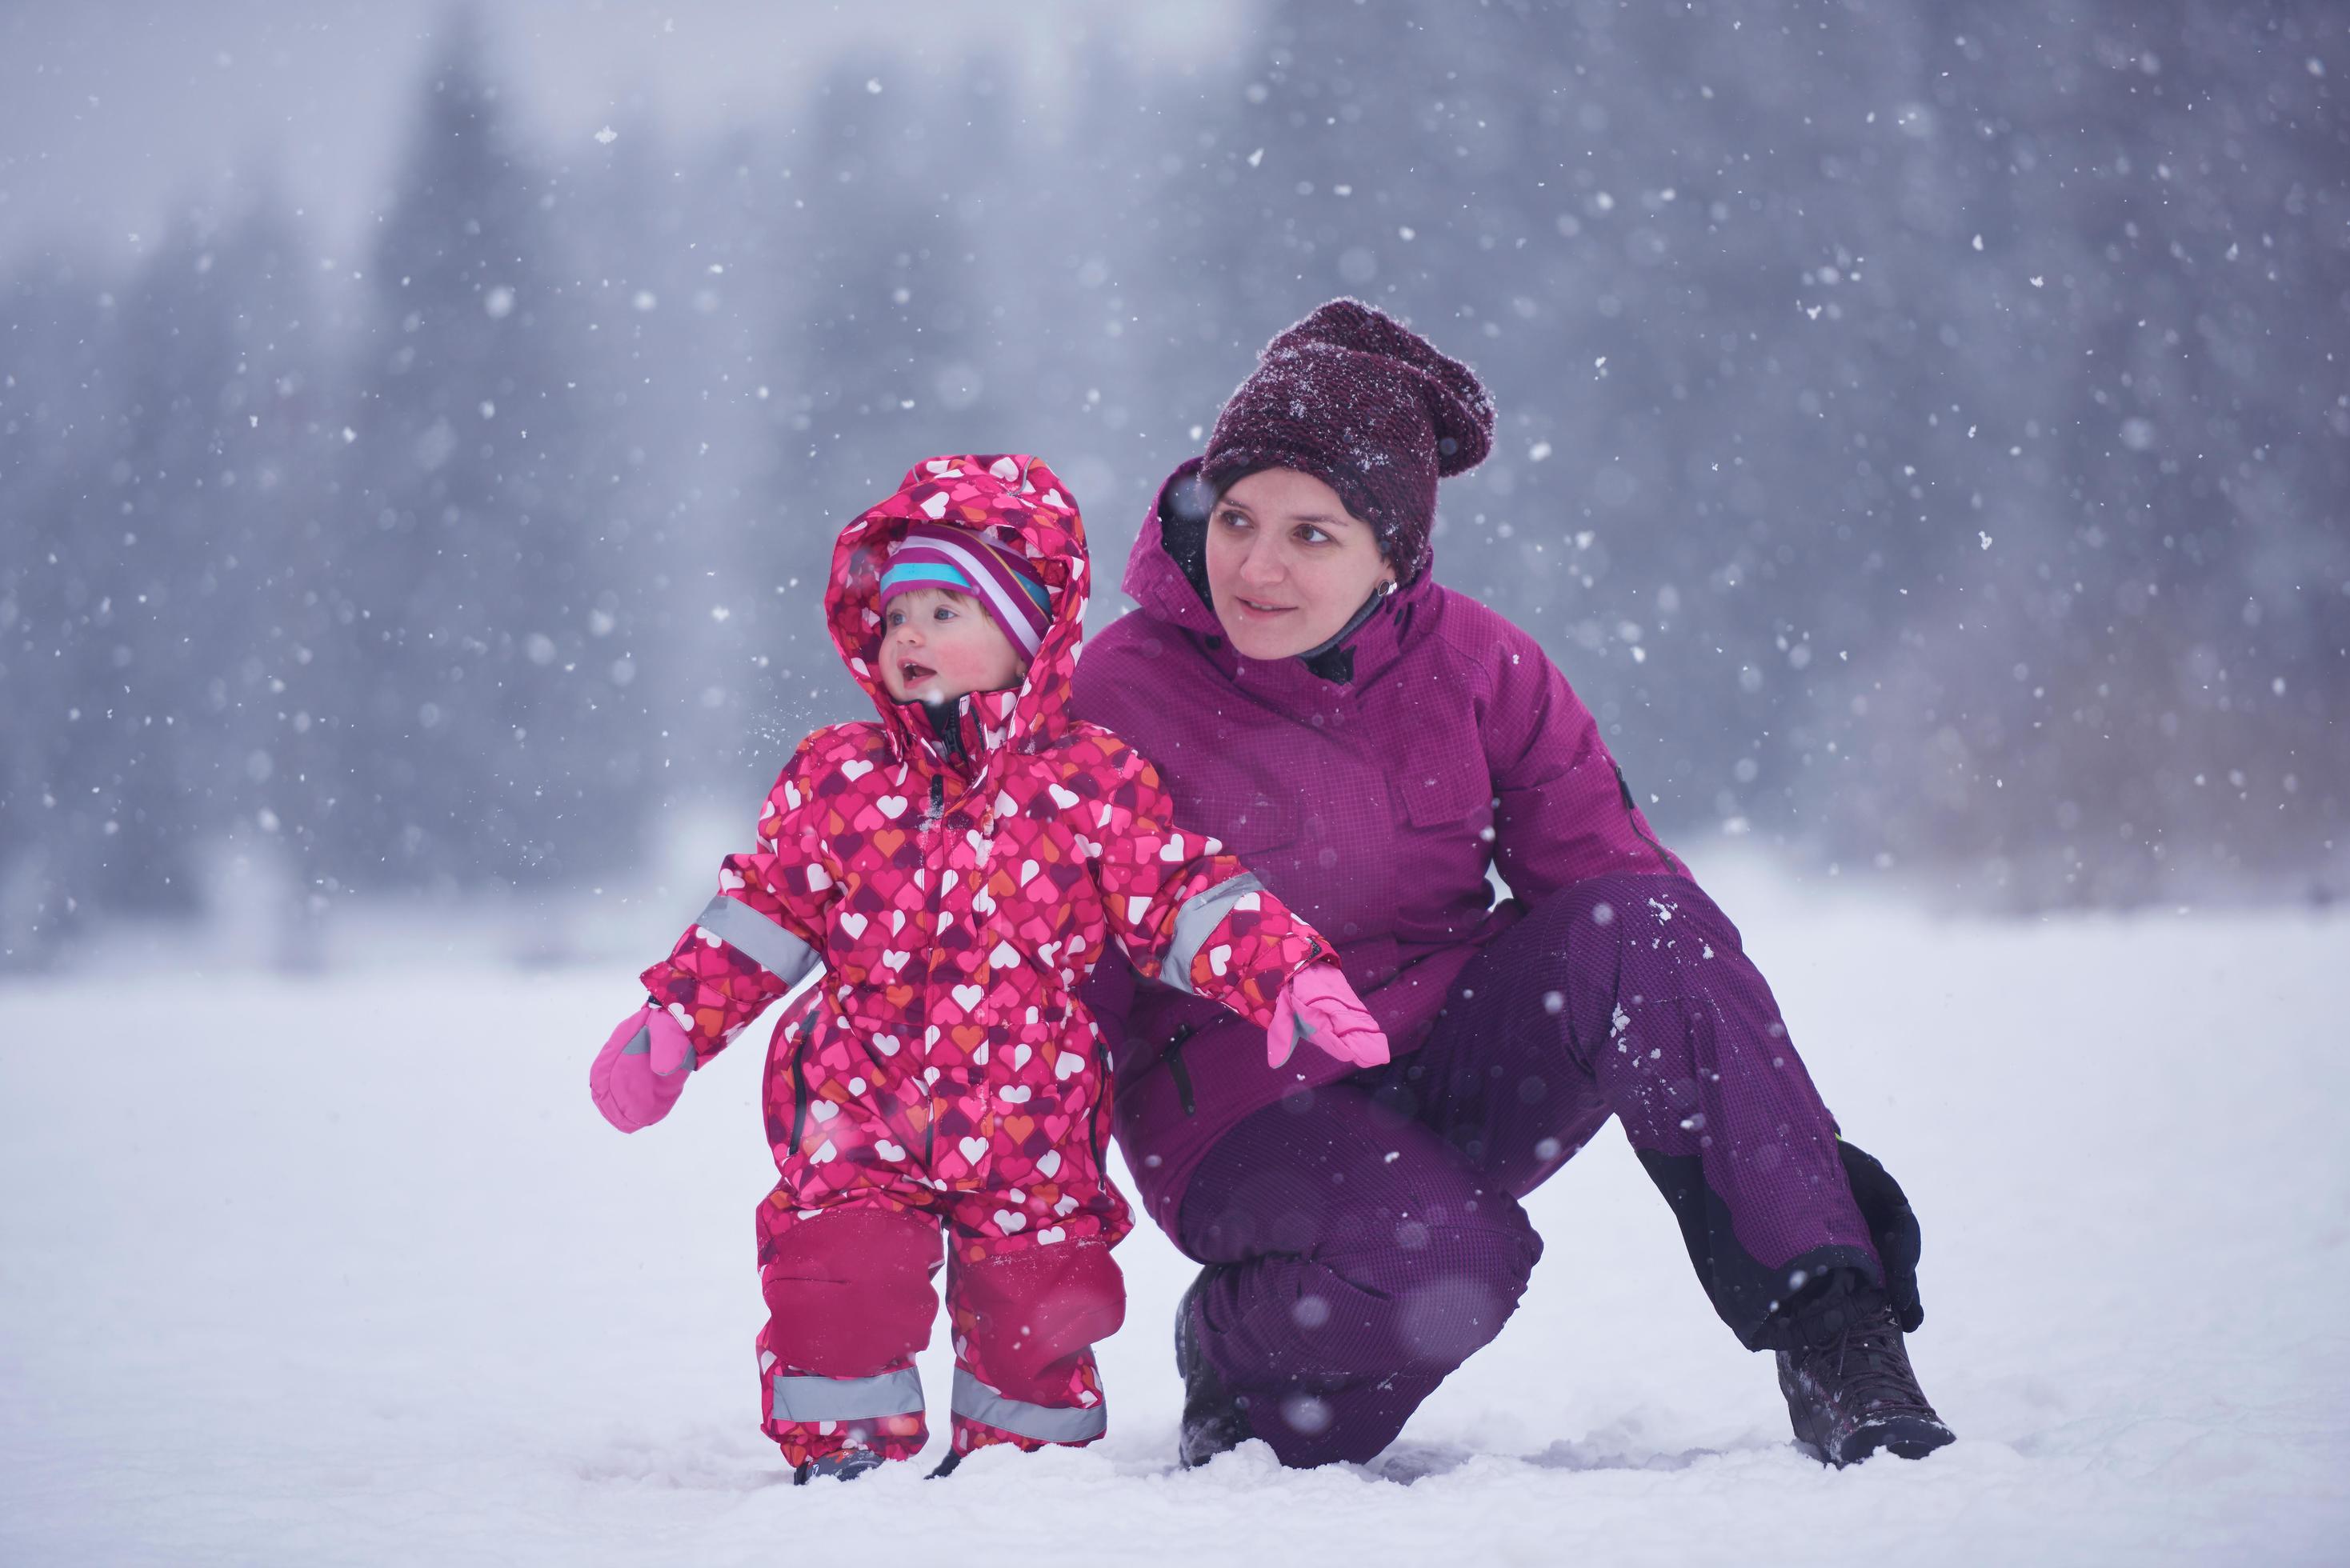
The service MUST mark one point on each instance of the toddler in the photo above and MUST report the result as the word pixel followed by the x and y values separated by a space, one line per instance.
pixel 953 868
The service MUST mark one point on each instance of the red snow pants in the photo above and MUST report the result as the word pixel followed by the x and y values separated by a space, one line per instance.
pixel 850 1301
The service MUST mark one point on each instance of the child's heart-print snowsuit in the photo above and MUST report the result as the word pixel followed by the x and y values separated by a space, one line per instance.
pixel 955 877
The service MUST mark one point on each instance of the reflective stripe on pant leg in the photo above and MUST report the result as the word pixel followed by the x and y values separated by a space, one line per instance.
pixel 758 939
pixel 898 1393
pixel 975 1401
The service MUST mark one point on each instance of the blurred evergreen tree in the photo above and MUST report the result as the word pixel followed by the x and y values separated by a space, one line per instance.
pixel 480 737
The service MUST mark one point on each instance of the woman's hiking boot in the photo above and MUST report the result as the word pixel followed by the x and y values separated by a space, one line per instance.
pixel 1215 1420
pixel 1849 1386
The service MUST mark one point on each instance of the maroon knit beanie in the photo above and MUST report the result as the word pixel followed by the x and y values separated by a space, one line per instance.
pixel 1367 406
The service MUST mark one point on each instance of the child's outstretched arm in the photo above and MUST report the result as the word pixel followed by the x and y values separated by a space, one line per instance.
pixel 1194 917
pixel 763 932
pixel 756 939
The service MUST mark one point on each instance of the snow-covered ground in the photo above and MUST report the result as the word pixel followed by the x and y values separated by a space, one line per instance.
pixel 349 1271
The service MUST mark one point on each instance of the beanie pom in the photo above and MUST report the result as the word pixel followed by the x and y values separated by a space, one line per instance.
pixel 1458 408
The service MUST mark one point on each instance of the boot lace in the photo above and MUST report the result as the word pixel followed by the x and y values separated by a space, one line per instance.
pixel 1866 1360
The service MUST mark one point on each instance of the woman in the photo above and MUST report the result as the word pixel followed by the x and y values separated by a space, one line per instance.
pixel 1371 743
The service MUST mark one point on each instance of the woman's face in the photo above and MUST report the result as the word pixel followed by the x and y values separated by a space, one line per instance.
pixel 1287 564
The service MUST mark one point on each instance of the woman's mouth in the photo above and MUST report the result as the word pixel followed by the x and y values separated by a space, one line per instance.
pixel 1251 606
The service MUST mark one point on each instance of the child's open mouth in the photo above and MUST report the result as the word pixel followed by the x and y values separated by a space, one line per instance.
pixel 913 674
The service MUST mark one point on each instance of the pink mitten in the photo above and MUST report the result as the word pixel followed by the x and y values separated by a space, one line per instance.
pixel 1318 1006
pixel 642 1069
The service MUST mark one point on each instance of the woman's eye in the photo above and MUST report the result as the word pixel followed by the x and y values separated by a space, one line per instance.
pixel 1309 535
pixel 1231 520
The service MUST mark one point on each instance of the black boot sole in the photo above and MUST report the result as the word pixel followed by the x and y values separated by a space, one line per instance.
pixel 1903 1437
pixel 1908 1438
pixel 837 1469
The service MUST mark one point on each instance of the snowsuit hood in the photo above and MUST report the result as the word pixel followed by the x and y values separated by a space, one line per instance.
pixel 1016 501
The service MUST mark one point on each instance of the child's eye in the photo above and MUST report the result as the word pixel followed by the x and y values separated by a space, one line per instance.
pixel 896 617
pixel 945 612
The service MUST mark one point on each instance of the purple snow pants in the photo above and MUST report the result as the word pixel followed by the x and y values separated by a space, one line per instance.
pixel 1363 1238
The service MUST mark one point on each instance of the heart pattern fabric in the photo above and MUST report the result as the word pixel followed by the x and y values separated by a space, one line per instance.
pixel 958 880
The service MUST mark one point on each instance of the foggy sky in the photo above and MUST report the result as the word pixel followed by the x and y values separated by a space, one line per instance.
pixel 114 111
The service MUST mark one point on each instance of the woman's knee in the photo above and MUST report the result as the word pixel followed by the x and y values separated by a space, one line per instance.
pixel 1621 909
pixel 1486 1238
pixel 1614 944
pixel 1445 1277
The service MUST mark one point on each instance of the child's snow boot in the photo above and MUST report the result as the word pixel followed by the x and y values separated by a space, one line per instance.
pixel 1850 1390
pixel 1215 1420
pixel 846 1464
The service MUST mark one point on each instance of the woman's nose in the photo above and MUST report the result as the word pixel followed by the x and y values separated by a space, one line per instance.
pixel 1259 564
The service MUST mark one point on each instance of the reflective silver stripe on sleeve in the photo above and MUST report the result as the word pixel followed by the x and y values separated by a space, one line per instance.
pixel 896 1393
pixel 1201 913
pixel 758 939
pixel 1047 1424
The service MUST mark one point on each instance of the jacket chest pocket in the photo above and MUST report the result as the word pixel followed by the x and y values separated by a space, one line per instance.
pixel 1445 789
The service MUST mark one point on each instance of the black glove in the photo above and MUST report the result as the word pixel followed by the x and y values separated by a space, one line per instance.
pixel 1892 1225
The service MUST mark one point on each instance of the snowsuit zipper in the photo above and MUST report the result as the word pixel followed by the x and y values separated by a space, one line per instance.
pixel 1102 1076
pixel 800 1087
pixel 1097 1129
pixel 946 727
pixel 948 731
pixel 929 983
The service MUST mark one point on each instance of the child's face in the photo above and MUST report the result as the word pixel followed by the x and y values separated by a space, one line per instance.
pixel 937 644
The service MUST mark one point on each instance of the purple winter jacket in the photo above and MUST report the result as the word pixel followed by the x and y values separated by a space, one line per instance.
pixel 1373 808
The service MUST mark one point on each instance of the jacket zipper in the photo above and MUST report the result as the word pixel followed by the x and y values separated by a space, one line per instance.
pixel 799 1088
pixel 950 739
pixel 931 910
pixel 1632 811
pixel 1101 1099
pixel 1179 1073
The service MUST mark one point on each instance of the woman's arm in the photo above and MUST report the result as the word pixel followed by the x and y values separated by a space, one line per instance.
pixel 1562 810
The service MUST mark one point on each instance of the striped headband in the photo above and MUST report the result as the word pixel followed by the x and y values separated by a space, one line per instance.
pixel 938 555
